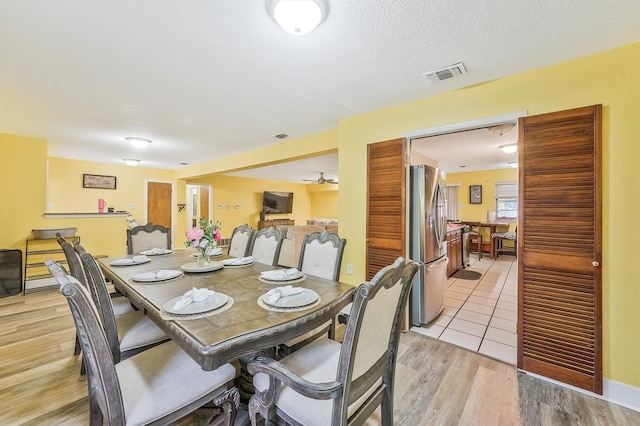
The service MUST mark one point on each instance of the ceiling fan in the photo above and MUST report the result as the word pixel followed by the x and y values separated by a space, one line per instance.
pixel 321 180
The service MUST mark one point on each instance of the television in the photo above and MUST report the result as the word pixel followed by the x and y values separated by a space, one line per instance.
pixel 277 202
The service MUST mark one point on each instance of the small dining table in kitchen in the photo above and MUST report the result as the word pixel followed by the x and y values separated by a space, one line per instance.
pixel 246 327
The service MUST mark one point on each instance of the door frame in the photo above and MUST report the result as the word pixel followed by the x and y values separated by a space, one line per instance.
pixel 173 202
pixel 189 187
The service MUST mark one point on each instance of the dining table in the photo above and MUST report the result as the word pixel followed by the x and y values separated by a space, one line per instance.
pixel 242 326
pixel 493 226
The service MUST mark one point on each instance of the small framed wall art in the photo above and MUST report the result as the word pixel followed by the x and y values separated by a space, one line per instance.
pixel 475 194
pixel 98 181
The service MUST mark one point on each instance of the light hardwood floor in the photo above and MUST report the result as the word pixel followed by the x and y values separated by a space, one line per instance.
pixel 436 383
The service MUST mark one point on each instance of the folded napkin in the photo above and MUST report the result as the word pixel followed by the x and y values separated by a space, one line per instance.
pixel 193 295
pixel 165 273
pixel 139 258
pixel 275 294
pixel 213 251
pixel 280 274
pixel 238 260
pixel 156 250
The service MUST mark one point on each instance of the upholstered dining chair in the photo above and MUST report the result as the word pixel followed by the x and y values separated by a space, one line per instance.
pixel 321 256
pixel 266 244
pixel 147 237
pixel 158 386
pixel 127 334
pixel 241 241
pixel 497 239
pixel 331 383
pixel 121 305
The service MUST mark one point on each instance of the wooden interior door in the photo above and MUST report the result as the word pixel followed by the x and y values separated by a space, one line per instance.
pixel 560 247
pixel 386 204
pixel 203 192
pixel 159 203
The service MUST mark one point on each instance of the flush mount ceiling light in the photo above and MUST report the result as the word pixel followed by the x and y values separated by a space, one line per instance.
pixel 297 17
pixel 513 164
pixel 131 161
pixel 138 142
pixel 509 148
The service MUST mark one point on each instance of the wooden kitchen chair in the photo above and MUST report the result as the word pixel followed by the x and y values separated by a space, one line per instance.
pixel 475 238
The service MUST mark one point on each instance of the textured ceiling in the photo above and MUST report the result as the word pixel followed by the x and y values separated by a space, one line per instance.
pixel 208 79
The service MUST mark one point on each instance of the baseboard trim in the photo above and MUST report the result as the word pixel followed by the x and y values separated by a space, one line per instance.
pixel 614 392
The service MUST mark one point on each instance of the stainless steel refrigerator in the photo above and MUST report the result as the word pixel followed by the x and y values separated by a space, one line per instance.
pixel 427 233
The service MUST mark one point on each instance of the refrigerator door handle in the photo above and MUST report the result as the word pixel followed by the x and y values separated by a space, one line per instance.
pixel 441 213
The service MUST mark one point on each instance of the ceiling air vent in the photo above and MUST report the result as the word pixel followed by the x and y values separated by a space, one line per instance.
pixel 446 72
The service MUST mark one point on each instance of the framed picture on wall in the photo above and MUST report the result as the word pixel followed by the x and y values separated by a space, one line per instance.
pixel 475 194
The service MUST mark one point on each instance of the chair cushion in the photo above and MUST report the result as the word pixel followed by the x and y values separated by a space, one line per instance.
pixel 316 362
pixel 121 305
pixel 505 235
pixel 159 381
pixel 136 330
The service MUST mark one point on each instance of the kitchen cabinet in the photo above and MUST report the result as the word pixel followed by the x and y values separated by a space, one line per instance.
pixel 454 250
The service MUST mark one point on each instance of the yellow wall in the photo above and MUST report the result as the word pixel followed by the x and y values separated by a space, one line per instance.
pixel 23 164
pixel 585 81
pixel 488 180
pixel 247 195
pixel 324 201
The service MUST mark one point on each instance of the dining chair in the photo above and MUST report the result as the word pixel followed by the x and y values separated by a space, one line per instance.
pixel 321 256
pixel 241 241
pixel 127 334
pixel 265 246
pixel 147 237
pixel 331 383
pixel 497 239
pixel 158 386
pixel 475 238
pixel 121 305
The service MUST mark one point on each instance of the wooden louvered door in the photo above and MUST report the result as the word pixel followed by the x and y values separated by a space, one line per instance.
pixel 386 198
pixel 559 247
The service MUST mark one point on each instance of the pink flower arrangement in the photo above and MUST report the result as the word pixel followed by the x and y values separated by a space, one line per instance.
pixel 205 236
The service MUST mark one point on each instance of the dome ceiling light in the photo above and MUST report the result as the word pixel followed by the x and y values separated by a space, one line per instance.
pixel 509 148
pixel 297 17
pixel 131 161
pixel 138 142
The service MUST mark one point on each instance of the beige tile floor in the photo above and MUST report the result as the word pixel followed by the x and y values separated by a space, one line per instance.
pixel 481 315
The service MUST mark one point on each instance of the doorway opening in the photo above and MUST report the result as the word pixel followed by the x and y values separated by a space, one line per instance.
pixel 199 203
pixel 479 314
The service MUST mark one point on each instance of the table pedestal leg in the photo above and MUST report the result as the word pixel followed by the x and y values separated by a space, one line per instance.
pixel 245 381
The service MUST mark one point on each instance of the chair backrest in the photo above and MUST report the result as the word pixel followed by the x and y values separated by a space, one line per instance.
pixel 98 287
pixel 148 237
pixel 241 241
pixel 102 379
pixel 473 226
pixel 75 266
pixel 266 244
pixel 370 345
pixel 321 255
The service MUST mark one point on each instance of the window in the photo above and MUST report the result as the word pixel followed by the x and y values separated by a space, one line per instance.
pixel 507 200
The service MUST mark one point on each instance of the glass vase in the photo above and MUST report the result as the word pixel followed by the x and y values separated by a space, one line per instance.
pixel 202 260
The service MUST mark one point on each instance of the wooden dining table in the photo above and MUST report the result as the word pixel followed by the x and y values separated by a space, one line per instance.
pixel 243 329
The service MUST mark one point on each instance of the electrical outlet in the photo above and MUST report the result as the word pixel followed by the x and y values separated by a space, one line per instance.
pixel 349 269
pixel 49 205
pixel 132 205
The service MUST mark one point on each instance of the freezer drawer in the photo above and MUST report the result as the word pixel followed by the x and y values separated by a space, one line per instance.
pixel 429 291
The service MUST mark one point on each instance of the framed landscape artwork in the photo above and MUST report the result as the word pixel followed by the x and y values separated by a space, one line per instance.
pixel 98 181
